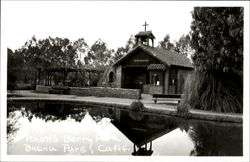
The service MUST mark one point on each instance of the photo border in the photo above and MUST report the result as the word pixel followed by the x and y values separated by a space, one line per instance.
pixel 245 157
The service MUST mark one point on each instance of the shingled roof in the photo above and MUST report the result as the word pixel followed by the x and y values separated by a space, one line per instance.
pixel 165 56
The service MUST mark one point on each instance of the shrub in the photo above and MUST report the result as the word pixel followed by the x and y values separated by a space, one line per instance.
pixel 183 107
pixel 137 106
pixel 220 92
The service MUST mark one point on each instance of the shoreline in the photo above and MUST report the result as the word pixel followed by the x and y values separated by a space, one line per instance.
pixel 159 108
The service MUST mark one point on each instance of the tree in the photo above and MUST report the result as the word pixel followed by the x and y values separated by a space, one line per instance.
pixel 166 44
pixel 121 51
pixel 49 52
pixel 99 55
pixel 183 46
pixel 82 49
pixel 217 38
pixel 12 71
pixel 130 43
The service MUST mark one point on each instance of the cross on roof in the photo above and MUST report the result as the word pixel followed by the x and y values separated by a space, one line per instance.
pixel 145 25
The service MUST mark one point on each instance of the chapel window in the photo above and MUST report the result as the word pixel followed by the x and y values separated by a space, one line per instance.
pixel 155 79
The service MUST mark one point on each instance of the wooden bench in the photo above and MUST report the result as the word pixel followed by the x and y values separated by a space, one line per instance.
pixel 169 97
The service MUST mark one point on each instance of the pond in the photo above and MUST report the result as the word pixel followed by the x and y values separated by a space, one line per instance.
pixel 50 128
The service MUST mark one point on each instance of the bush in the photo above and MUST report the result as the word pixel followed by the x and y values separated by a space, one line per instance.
pixel 183 107
pixel 220 92
pixel 137 105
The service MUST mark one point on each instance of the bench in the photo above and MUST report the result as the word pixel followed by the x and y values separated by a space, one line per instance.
pixel 169 97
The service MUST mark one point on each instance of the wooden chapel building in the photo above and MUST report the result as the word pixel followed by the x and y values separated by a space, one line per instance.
pixel 151 69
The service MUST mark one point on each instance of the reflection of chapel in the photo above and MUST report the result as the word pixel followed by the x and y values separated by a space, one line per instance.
pixel 151 69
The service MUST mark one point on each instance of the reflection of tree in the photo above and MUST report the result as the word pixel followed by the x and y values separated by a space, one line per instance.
pixel 98 114
pixel 12 125
pixel 52 111
pixel 97 118
pixel 136 115
pixel 183 125
pixel 212 139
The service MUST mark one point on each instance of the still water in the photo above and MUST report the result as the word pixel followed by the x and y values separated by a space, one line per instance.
pixel 47 128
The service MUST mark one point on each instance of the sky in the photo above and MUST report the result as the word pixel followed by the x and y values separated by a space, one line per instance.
pixel 112 22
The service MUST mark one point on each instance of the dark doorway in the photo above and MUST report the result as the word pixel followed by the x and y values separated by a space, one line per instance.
pixel 135 77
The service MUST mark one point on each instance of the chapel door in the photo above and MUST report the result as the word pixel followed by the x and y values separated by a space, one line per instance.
pixel 135 78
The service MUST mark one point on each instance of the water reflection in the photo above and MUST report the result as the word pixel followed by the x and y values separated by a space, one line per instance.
pixel 141 129
pixel 212 139
pixel 122 132
pixel 12 125
pixel 50 111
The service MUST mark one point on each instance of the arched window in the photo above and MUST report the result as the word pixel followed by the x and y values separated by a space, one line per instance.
pixel 111 77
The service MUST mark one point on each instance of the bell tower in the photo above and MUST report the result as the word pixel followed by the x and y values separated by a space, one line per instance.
pixel 145 36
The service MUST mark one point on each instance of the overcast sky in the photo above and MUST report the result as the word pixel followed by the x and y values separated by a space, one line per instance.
pixel 113 22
